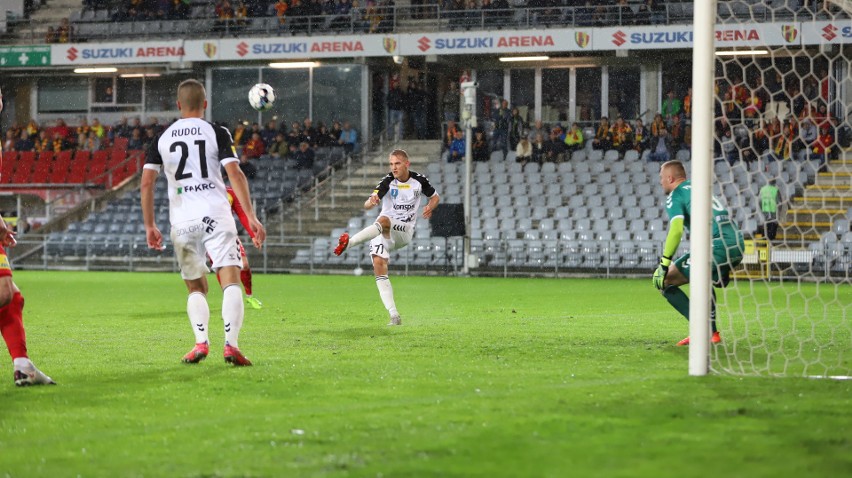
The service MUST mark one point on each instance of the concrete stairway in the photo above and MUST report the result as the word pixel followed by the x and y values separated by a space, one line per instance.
pixel 821 204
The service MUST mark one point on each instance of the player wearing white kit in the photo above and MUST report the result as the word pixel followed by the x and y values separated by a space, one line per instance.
pixel 399 194
pixel 192 152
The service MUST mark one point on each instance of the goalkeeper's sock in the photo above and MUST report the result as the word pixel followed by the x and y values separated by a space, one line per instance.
pixel 199 315
pixel 713 310
pixel 386 293
pixel 232 313
pixel 678 299
pixel 366 234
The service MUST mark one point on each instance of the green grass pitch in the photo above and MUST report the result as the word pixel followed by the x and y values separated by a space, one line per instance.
pixel 486 377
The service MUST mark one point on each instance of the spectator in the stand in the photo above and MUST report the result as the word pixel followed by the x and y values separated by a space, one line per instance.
pixel 82 131
pixel 524 151
pixel 336 130
pixel 254 147
pixel 538 128
pixel 678 133
pixel 98 128
pixel 770 197
pixel 148 138
pixel 269 132
pixel 11 140
pixel 180 9
pixel 822 147
pixel 309 132
pixel 50 36
pixel 280 8
pixel 396 104
pixel 32 128
pixel 671 107
pixel 641 137
pixel 349 138
pixel 554 147
pixel 661 146
pixel 324 137
pixel 687 104
pixel 62 128
pixel 574 140
pixel 279 147
pixel 457 148
pixel 65 32
pixel 449 134
pixel 451 102
pixel 240 134
pixel 501 118
pixel 808 135
pixel 603 136
pixel 782 143
pixel 304 156
pixel 24 143
pixel 479 148
pixel 224 14
pixel 621 136
pixel 241 15
pixel 43 142
pixel 136 141
pixel 59 142
pixel 538 150
pixel 516 128
pixel 91 143
pixel 295 136
pixel 156 126
pixel 657 124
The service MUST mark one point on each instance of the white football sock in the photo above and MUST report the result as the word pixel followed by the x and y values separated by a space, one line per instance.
pixel 199 315
pixel 366 234
pixel 386 293
pixel 232 313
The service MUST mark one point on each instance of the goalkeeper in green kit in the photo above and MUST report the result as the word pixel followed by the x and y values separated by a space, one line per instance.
pixel 727 245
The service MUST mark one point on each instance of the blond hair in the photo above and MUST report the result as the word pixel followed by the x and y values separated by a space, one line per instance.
pixel 191 95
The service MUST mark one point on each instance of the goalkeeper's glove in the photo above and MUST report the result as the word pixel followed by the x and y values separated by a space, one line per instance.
pixel 659 278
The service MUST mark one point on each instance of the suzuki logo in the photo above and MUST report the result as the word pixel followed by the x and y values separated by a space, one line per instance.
pixel 619 38
pixel 72 54
pixel 829 32
pixel 242 48
pixel 424 44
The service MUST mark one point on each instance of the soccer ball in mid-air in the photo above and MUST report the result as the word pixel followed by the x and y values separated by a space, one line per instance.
pixel 261 96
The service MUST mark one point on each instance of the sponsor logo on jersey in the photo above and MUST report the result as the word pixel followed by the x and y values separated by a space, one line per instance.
pixel 403 207
pixel 403 186
pixel 4 263
pixel 209 223
pixel 394 193
pixel 188 230
pixel 192 188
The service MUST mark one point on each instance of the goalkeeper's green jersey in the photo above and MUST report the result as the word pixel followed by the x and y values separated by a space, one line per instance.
pixel 679 204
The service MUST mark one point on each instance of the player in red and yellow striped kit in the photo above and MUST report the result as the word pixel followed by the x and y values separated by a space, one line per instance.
pixel 245 273
pixel 11 312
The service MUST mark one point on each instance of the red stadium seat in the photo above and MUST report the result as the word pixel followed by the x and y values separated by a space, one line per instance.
pixel 97 167
pixel 61 165
pixel 116 157
pixel 120 143
pixel 10 160
pixel 79 166
pixel 41 170
pixel 24 167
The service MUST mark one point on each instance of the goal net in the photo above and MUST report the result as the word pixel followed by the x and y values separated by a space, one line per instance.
pixel 783 166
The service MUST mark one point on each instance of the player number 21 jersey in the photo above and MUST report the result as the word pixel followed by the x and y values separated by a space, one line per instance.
pixel 192 152
pixel 401 200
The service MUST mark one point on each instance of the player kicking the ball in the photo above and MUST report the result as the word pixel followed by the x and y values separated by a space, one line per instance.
pixel 727 245
pixel 192 152
pixel 399 194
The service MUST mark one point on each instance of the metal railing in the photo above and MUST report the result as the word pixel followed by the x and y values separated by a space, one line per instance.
pixel 394 19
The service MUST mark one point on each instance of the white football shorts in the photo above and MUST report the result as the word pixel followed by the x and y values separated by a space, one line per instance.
pixel 400 235
pixel 215 237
